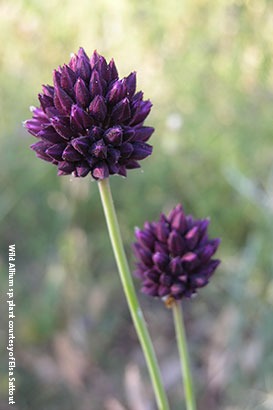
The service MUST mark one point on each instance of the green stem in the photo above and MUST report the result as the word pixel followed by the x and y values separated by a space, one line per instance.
pixel 130 293
pixel 184 357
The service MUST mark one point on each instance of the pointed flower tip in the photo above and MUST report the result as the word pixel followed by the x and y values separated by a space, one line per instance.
pixel 218 242
pixel 81 50
pixel 177 253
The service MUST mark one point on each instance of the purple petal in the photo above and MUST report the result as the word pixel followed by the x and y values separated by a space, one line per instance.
pixel 177 289
pixel 98 109
pixel 153 275
pixel 48 90
pixel 73 62
pixel 33 126
pixel 161 260
pixel 61 129
pixel 144 255
pixel 101 171
pixel 99 149
pixel 145 238
pixel 56 80
pixel 177 219
pixel 192 237
pixel 126 149
pixel 176 243
pixel 113 168
pixel 45 157
pixel 62 101
pixel 198 280
pixel 122 171
pixel 102 68
pixel 203 225
pixel 113 135
pixel 95 86
pixel 143 133
pixel 82 170
pixel 113 156
pixel 210 267
pixel 95 133
pixel 131 84
pixel 141 150
pixel 81 144
pixel 117 92
pixel 83 65
pixel 40 147
pixel 162 230
pixel 68 79
pixel 206 270
pixel 121 111
pixel 206 252
pixel 150 226
pixel 94 59
pixel 82 93
pixel 113 72
pixel 45 101
pixel 215 243
pixel 128 134
pixel 190 260
pixel 160 247
pixel 70 154
pixel 65 168
pixel 190 221
pixel 51 112
pixel 166 280
pixel 141 112
pixel 176 266
pixel 55 151
pixel 136 100
pixel 131 164
pixel 80 119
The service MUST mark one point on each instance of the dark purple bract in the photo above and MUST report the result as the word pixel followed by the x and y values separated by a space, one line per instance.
pixel 174 255
pixel 90 121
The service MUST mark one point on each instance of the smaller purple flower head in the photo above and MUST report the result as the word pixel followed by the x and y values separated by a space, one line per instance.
pixel 90 121
pixel 174 256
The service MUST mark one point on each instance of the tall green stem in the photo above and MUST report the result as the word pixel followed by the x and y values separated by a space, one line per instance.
pixel 184 356
pixel 129 290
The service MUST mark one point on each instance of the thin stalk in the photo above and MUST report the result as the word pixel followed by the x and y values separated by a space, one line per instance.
pixel 184 356
pixel 130 293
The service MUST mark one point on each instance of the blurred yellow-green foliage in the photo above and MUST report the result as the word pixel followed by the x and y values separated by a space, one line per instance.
pixel 207 67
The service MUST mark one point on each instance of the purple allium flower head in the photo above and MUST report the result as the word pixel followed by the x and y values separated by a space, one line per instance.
pixel 90 121
pixel 174 255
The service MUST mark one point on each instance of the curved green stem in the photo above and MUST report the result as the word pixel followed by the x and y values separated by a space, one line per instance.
pixel 184 357
pixel 129 290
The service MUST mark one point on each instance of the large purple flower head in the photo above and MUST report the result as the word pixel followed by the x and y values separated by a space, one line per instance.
pixel 89 121
pixel 174 255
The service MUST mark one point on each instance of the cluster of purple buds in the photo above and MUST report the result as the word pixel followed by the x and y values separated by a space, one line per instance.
pixel 174 255
pixel 89 121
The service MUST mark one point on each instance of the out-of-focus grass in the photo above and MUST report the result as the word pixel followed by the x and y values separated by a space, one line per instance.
pixel 207 67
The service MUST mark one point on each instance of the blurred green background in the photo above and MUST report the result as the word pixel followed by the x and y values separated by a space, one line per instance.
pixel 207 67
